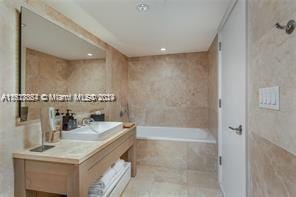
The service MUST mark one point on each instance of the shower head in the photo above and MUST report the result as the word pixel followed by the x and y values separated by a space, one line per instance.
pixel 289 28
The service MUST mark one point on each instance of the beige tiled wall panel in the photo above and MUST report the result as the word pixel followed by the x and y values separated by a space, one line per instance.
pixel 213 88
pixel 169 90
pixel 273 172
pixel 86 77
pixel 117 77
pixel 52 75
pixel 272 136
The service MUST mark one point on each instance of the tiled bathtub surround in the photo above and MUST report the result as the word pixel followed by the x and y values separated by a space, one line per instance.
pixel 175 169
pixel 169 90
pixel 272 136
pixel 178 155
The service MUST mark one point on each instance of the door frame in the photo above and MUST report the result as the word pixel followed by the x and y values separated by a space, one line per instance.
pixel 220 91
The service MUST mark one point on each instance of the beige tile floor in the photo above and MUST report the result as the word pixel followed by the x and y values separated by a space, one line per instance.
pixel 154 181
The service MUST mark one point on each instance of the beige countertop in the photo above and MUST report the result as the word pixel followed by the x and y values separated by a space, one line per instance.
pixel 69 151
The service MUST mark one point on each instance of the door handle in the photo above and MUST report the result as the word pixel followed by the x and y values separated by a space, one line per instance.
pixel 238 130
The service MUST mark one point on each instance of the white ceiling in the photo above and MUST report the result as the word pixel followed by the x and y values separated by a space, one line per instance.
pixel 178 25
pixel 42 35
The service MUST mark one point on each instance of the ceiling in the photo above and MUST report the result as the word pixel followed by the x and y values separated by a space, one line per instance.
pixel 178 25
pixel 42 35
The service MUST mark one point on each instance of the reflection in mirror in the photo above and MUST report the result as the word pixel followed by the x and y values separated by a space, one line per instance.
pixel 55 61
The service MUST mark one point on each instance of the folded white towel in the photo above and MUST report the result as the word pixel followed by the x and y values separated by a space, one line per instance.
pixel 106 178
pixel 96 192
pixel 97 189
pixel 119 165
pixel 93 195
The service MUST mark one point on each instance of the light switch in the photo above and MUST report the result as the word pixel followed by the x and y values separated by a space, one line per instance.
pixel 269 98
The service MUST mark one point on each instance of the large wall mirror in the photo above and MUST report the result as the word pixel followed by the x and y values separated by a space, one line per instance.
pixel 55 61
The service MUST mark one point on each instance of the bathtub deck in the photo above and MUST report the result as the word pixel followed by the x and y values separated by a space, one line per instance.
pixel 152 181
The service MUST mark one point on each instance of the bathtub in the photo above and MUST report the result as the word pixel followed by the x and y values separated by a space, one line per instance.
pixel 175 134
pixel 177 148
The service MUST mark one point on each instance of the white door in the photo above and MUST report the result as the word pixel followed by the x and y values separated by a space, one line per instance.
pixel 233 72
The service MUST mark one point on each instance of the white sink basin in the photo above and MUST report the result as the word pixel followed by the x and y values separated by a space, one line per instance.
pixel 94 131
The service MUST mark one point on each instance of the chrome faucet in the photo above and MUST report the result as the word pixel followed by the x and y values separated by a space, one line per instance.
pixel 87 121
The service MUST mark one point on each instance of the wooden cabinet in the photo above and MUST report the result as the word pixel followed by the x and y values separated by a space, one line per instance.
pixel 72 180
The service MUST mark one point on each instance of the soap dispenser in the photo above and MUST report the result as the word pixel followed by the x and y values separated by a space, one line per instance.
pixel 72 121
pixel 58 120
pixel 66 118
pixel 69 122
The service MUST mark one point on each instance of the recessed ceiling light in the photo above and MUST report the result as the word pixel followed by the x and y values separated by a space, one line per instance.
pixel 163 49
pixel 142 7
pixel 90 54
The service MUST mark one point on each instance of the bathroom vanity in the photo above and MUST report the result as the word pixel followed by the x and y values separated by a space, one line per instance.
pixel 72 165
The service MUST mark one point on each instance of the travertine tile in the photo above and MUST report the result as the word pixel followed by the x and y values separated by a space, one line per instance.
pixel 168 182
pixel 272 63
pixel 202 156
pixel 273 170
pixel 190 117
pixel 52 75
pixel 170 90
pixel 168 154
pixel 213 88
pixel 94 83
pixel 44 74
pixel 169 175
pixel 178 155
pixel 271 138
pixel 139 114
pixel 202 179
pixel 145 173
pixel 157 181
pixel 135 193
pixel 116 83
pixel 162 189
pixel 10 139
pixel 138 188
pixel 203 192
